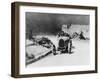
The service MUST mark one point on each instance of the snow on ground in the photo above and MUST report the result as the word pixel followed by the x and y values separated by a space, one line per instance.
pixel 80 55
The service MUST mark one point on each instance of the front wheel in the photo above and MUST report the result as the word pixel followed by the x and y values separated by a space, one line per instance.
pixel 70 46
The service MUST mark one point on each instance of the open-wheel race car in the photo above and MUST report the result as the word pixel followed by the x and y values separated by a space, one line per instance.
pixel 65 42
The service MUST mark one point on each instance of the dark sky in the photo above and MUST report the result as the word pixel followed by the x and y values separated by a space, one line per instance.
pixel 51 23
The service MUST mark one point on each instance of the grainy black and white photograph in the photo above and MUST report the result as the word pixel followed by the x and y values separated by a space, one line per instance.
pixel 57 39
